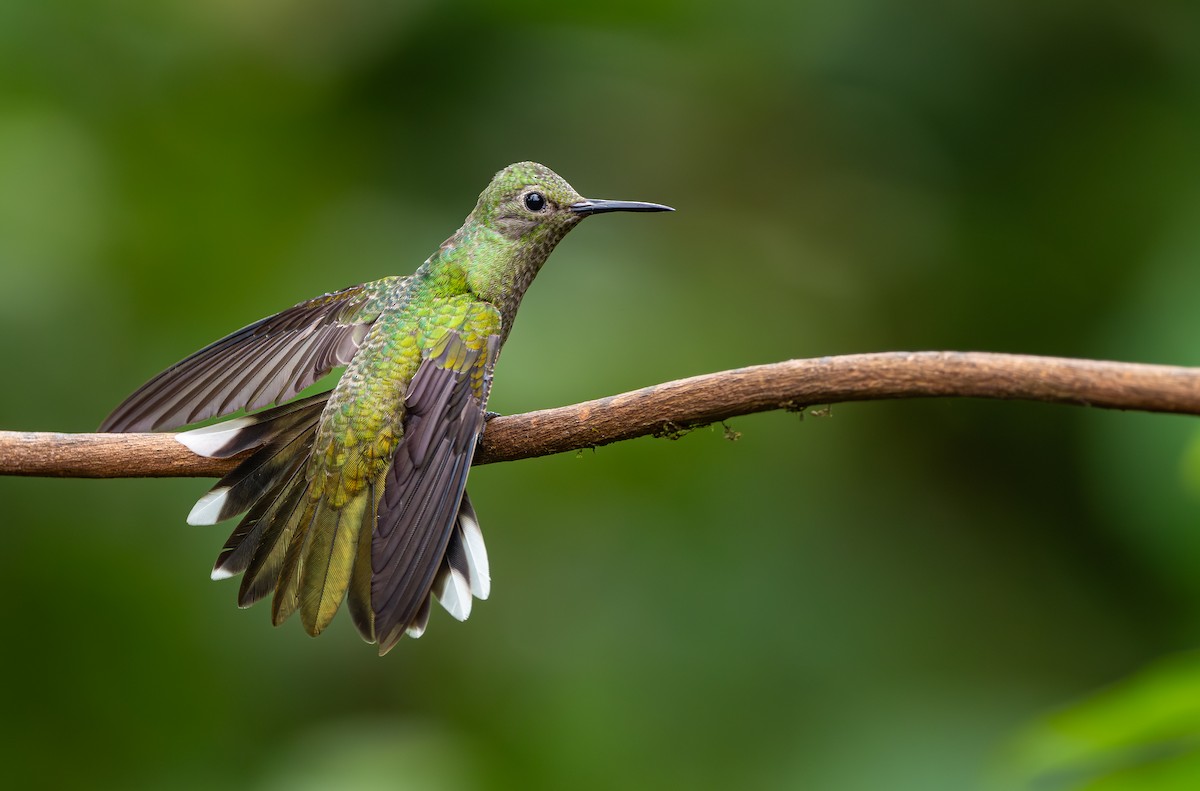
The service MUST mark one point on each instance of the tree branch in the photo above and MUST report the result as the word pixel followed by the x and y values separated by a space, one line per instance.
pixel 670 407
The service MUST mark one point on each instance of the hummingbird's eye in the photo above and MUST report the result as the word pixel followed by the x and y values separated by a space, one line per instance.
pixel 535 201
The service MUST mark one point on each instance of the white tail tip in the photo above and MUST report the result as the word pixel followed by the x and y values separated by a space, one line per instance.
pixel 207 510
pixel 209 440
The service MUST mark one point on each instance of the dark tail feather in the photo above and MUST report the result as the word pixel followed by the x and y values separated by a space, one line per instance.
pixel 282 435
pixel 222 440
pixel 262 473
pixel 252 532
pixel 261 553
pixel 268 483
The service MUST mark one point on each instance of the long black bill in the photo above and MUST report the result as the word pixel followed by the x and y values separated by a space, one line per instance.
pixel 586 207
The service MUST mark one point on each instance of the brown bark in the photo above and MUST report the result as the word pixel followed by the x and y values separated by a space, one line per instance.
pixel 673 406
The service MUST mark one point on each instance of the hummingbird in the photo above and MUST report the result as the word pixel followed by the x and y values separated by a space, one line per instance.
pixel 359 493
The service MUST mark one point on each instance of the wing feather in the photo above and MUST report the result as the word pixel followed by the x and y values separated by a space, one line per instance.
pixel 268 361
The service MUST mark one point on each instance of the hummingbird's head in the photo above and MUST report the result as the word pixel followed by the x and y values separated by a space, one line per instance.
pixel 528 203
pixel 532 204
pixel 520 217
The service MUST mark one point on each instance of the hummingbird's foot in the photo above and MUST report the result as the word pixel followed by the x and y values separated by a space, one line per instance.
pixel 487 418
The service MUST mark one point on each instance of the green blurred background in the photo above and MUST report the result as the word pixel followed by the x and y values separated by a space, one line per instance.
pixel 906 595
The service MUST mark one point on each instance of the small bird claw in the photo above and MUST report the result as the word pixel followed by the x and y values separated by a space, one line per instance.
pixel 487 417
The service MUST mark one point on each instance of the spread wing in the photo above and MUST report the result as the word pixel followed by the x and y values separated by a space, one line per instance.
pixel 269 361
pixel 420 508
